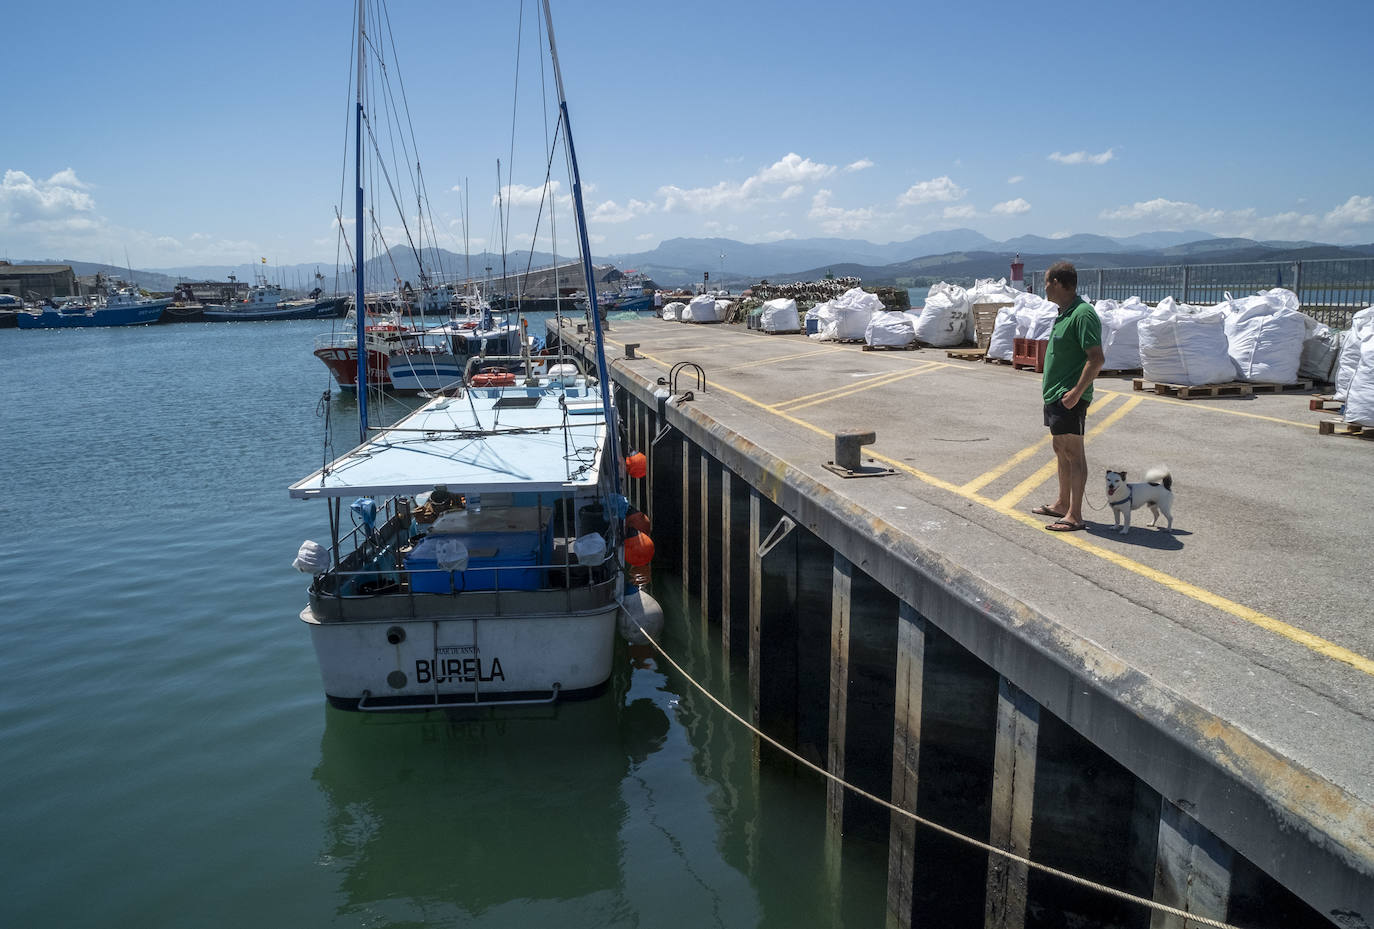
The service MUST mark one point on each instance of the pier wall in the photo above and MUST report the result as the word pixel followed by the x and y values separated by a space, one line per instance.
pixel 893 668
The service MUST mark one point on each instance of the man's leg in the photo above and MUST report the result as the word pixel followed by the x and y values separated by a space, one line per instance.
pixel 1073 475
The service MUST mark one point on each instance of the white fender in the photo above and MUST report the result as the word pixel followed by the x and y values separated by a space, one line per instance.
pixel 639 609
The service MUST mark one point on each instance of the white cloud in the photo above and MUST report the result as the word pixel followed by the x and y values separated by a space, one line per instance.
pixel 1170 212
pixel 611 212
pixel 1357 211
pixel 1012 207
pixel 1016 179
pixel 1339 223
pixel 520 195
pixel 833 219
pixel 792 170
pixel 59 199
pixel 862 164
pixel 1084 158
pixel 966 211
pixel 936 190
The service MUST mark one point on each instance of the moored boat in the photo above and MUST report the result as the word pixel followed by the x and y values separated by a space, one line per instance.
pixel 120 308
pixel 485 562
pixel 266 301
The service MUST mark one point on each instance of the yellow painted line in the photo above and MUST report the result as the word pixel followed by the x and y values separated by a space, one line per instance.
pixel 1154 398
pixel 986 478
pixel 1240 611
pixel 870 379
pixel 792 405
pixel 769 361
pixel 1018 493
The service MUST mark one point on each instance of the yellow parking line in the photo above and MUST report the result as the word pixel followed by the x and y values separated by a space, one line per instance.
pixel 1018 493
pixel 871 379
pixel 854 389
pixel 986 478
pixel 767 361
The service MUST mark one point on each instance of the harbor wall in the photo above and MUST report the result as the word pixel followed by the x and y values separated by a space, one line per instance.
pixel 894 669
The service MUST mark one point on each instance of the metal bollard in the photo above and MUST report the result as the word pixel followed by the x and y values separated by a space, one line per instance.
pixel 847 445
pixel 630 350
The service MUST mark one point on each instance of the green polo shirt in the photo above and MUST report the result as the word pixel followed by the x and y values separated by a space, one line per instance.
pixel 1076 330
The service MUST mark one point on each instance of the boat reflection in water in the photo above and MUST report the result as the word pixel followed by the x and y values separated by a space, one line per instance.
pixel 451 814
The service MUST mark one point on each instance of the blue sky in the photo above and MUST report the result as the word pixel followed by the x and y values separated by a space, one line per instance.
pixel 189 134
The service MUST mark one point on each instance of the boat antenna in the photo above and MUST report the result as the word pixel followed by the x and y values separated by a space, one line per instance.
pixel 361 304
pixel 579 214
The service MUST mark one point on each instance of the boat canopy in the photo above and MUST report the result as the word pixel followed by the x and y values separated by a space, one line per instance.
pixel 532 439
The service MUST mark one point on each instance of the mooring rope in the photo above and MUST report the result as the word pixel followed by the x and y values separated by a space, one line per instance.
pixel 945 830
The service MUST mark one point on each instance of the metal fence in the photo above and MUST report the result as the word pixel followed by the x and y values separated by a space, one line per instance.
pixel 1331 290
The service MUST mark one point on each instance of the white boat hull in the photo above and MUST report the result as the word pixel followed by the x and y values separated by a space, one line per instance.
pixel 416 663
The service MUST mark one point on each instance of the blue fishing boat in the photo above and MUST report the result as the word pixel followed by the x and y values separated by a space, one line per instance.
pixel 117 307
pixel 476 545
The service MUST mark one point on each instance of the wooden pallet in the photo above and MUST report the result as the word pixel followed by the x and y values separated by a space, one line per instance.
pixel 779 331
pixel 1196 391
pixel 1120 372
pixel 1265 387
pixel 1341 427
pixel 996 361
pixel 912 347
pixel 1324 403
pixel 968 354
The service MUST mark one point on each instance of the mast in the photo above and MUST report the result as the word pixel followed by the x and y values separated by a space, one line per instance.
pixel 361 304
pixel 579 213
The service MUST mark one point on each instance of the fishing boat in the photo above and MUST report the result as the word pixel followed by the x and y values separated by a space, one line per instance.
pixel 266 301
pixel 122 306
pixel 484 563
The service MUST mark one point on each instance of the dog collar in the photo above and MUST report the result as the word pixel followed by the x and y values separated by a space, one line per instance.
pixel 1129 493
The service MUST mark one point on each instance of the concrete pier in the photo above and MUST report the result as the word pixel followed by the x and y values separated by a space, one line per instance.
pixel 1186 717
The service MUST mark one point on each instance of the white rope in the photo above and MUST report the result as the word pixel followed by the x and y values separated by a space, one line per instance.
pixel 991 849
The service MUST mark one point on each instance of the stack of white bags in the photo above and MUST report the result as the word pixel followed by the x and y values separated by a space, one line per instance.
pixel 779 315
pixel 672 311
pixel 1029 317
pixel 703 309
pixel 845 318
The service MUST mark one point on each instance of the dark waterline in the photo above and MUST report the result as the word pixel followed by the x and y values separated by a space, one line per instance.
pixel 169 757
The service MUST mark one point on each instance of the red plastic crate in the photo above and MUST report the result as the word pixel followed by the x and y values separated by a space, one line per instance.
pixel 1029 353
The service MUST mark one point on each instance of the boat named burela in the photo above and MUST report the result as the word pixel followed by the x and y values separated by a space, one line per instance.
pixel 477 544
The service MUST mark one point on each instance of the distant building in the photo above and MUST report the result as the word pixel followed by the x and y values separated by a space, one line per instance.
pixel 37 282
pixel 211 292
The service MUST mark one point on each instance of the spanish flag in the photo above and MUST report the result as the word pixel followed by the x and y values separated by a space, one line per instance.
pixel 264 261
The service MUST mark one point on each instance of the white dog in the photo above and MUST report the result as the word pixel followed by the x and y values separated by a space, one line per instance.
pixel 1156 492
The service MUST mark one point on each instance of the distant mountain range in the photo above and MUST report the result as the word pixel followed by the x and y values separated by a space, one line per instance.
pixel 954 254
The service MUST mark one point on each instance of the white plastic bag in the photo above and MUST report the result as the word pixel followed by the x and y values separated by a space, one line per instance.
pixel 1185 345
pixel 672 311
pixel 945 318
pixel 1003 342
pixel 1264 336
pixel 1321 353
pixel 450 553
pixel 313 558
pixel 1359 400
pixel 702 309
pixel 590 548
pixel 780 315
pixel 1350 349
pixel 890 329
pixel 1121 332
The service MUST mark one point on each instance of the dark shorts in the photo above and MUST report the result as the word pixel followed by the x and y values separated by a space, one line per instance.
pixel 1066 422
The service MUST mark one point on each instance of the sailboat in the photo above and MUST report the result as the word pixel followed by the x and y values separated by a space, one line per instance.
pixel 484 561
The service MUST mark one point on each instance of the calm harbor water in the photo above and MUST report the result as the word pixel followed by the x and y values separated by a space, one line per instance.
pixel 168 756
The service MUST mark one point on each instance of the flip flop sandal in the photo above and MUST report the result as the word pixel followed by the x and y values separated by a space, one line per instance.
pixel 1065 526
pixel 1044 510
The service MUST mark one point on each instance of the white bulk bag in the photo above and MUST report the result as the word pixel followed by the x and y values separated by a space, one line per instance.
pixel 1359 399
pixel 702 309
pixel 839 322
pixel 1035 316
pixel 1003 340
pixel 1186 345
pixel 890 329
pixel 779 315
pixel 1121 332
pixel 1350 349
pixel 1264 336
pixel 945 318
pixel 673 311
pixel 723 310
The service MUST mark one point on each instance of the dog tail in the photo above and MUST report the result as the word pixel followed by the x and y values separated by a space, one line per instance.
pixel 1160 475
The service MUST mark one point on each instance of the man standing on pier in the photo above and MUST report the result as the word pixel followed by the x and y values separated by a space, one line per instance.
pixel 1073 358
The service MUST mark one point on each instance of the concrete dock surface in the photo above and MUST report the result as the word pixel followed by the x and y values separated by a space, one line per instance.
pixel 1246 634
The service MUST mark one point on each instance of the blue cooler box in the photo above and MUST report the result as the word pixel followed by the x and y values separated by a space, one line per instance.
pixel 487 551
